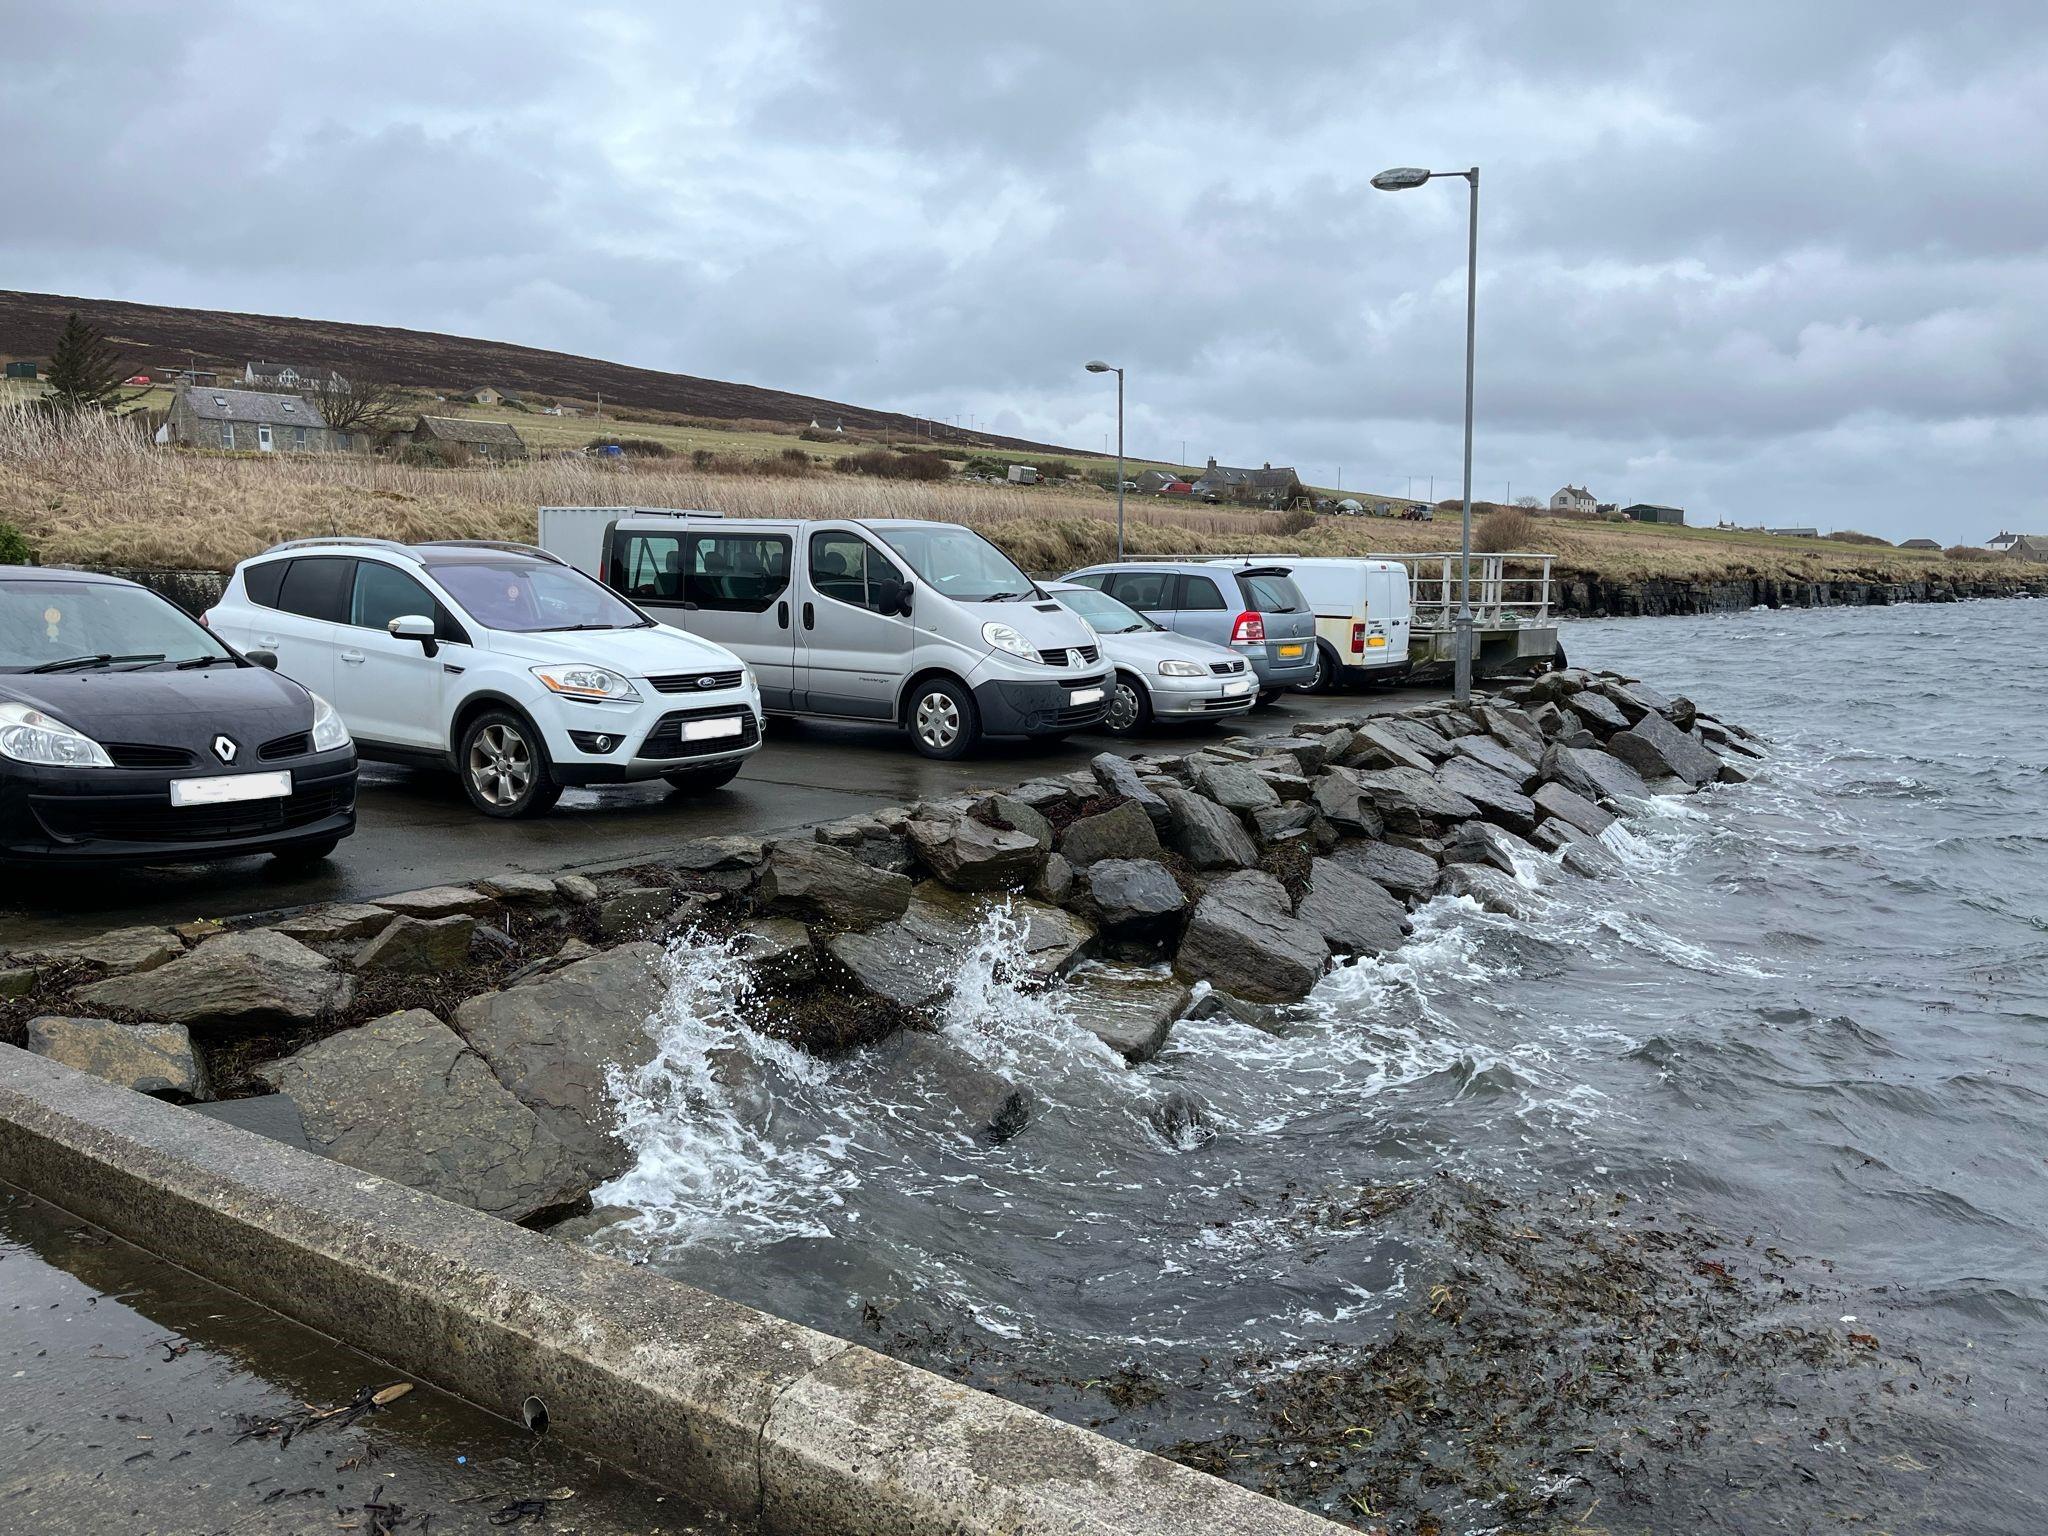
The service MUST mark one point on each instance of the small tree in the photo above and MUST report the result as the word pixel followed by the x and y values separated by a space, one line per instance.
pixel 85 371
pixel 356 404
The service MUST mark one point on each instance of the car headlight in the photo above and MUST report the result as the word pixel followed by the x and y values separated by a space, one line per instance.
pixel 1182 669
pixel 752 682
pixel 329 733
pixel 578 680
pixel 29 736
pixel 1003 638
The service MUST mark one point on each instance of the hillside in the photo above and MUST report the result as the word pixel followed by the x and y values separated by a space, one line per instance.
pixel 154 336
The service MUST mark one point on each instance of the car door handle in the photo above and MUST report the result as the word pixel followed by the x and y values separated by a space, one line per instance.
pixel 782 614
pixel 268 642
pixel 810 617
pixel 353 658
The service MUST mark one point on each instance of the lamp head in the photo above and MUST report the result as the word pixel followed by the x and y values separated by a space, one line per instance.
pixel 1100 367
pixel 1400 179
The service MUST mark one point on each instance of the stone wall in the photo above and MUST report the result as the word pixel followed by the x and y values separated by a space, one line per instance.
pixel 1582 595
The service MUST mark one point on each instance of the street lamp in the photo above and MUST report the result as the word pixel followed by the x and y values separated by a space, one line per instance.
pixel 1402 179
pixel 1101 367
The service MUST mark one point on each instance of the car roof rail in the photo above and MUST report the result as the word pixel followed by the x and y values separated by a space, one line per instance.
pixel 340 539
pixel 508 546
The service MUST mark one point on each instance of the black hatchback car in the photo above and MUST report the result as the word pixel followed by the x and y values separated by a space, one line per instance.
pixel 130 734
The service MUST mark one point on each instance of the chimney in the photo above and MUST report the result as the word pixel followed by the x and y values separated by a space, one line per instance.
pixel 1267 465
pixel 1212 461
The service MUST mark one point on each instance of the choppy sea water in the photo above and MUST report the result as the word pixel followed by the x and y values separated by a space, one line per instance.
pixel 1808 1020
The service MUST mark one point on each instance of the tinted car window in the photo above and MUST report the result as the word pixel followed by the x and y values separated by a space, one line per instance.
pixel 1096 579
pixel 735 572
pixel 384 594
pixel 318 589
pixel 55 621
pixel 262 581
pixel 1201 595
pixel 651 567
pixel 845 567
pixel 1272 594
pixel 1143 590
pixel 527 596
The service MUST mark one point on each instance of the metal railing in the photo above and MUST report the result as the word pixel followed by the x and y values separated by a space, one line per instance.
pixel 1501 599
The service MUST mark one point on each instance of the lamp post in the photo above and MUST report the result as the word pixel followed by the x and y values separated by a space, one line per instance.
pixel 1404 179
pixel 1101 367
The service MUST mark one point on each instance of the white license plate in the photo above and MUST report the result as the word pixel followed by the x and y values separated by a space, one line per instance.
pixel 234 786
pixel 1230 689
pixel 709 730
pixel 1085 696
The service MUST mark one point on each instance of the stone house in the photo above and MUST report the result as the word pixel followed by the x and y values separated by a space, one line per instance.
pixel 246 421
pixel 1265 485
pixel 280 376
pixel 1574 501
pixel 456 440
pixel 483 395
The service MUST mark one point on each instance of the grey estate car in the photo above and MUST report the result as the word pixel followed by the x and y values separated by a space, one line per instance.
pixel 1159 674
pixel 1258 612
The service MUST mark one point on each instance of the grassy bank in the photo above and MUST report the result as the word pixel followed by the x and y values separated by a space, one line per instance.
pixel 97 493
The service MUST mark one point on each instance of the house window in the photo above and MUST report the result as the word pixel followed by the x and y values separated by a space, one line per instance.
pixel 227 434
pixel 298 437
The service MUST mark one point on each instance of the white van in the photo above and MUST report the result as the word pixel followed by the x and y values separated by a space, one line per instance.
pixel 1363 612
pixel 922 625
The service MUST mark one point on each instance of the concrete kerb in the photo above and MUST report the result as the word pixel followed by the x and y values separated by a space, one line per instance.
pixel 737 1409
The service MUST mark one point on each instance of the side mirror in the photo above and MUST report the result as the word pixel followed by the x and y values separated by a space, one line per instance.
pixel 891 594
pixel 415 626
pixel 265 659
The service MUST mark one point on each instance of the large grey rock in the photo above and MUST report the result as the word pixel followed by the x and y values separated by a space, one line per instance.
pixel 1600 714
pixel 258 977
pixel 1245 938
pixel 1130 1012
pixel 1421 746
pixel 1657 749
pixel 516 888
pixel 1352 913
pixel 438 901
pixel 1489 887
pixel 1572 808
pixel 1206 835
pixel 419 946
pixel 779 948
pixel 1497 798
pixel 1054 942
pixel 1403 871
pixel 1116 776
pixel 1636 700
pixel 637 912
pixel 1588 857
pixel 17 981
pixel 1340 801
pixel 1519 768
pixel 932 1075
pixel 1408 799
pixel 1235 787
pixel 1481 842
pixel 971 856
pixel 813 879
pixel 577 890
pixel 718 855
pixel 404 1098
pixel 1597 775
pixel 1020 816
pixel 1516 731
pixel 552 1040
pixel 119 951
pixel 336 922
pixel 1122 832
pixel 1055 882
pixel 1282 823
pixel 150 1058
pixel 1135 896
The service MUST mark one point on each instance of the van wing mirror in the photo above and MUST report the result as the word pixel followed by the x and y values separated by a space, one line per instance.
pixel 415 626
pixel 891 594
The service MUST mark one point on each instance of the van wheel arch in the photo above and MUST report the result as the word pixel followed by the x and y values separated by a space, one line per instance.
pixel 917 681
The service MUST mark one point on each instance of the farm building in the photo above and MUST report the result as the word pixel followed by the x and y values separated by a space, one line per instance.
pixel 1649 512
pixel 245 421
pixel 22 368
pixel 455 440
pixel 1793 533
pixel 1266 485
pixel 1921 544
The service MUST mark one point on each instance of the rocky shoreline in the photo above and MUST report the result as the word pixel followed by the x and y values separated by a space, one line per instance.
pixel 1582 595
pixel 465 1040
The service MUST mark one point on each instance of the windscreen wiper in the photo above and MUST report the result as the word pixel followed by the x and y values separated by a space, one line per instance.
pixel 192 663
pixel 102 660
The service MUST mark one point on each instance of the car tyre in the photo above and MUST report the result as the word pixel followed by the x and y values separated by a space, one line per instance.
pixel 504 766
pixel 1266 696
pixel 305 855
pixel 942 718
pixel 697 781
pixel 1130 707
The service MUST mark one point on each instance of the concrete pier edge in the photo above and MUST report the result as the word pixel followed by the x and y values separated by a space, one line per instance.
pixel 732 1407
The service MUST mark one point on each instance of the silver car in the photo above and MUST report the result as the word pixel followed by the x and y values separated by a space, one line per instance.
pixel 1256 611
pixel 1159 674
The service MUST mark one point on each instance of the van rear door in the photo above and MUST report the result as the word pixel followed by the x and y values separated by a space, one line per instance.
pixel 730 585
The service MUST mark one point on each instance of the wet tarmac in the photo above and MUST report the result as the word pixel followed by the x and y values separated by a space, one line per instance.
pixel 416 829
pixel 137 1399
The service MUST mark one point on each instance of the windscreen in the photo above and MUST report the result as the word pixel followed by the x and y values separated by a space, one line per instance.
pixel 1267 592
pixel 45 624
pixel 1105 615
pixel 959 562
pixel 526 596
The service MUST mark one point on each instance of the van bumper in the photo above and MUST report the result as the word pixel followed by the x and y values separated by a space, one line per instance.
pixel 1040 709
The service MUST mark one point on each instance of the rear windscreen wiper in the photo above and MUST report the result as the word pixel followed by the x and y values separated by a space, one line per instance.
pixel 101 660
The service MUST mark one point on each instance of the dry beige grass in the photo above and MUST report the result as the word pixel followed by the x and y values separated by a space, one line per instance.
pixel 94 492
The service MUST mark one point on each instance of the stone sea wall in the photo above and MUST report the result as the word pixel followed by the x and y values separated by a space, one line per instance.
pixel 462 1039
pixel 1583 595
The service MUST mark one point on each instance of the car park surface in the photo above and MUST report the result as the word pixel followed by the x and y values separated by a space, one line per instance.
pixel 416 829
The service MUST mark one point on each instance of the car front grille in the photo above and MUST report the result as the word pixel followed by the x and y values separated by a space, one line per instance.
pixel 1236 701
pixel 298 744
pixel 136 754
pixel 1226 668
pixel 694 682
pixel 666 739
pixel 1078 656
pixel 138 819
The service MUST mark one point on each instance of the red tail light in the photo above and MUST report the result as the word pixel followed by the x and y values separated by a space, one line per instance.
pixel 1358 639
pixel 1250 628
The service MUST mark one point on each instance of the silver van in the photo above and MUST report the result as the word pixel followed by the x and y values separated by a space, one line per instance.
pixel 922 625
pixel 1256 611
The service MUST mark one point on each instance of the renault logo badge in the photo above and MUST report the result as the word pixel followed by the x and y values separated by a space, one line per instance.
pixel 224 748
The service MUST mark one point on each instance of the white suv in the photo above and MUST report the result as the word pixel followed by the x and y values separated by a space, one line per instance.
pixel 496 660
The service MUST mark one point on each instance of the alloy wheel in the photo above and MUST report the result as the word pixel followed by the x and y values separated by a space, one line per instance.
pixel 938 721
pixel 500 764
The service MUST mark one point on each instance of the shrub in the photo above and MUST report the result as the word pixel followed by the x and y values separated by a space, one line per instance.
pixel 702 458
pixel 894 466
pixel 14 546
pixel 820 435
pixel 981 464
pixel 797 457
pixel 1850 536
pixel 1296 520
pixel 1968 552
pixel 638 447
pixel 1504 528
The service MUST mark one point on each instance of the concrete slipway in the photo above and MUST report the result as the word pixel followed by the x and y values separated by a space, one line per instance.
pixel 737 1410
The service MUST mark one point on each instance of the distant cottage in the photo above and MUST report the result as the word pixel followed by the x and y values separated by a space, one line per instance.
pixel 485 395
pixel 2028 546
pixel 1573 501
pixel 1921 544
pixel 290 376
pixel 457 440
pixel 246 421
pixel 1266 485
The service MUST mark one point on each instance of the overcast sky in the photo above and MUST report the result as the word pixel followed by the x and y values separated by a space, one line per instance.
pixel 1778 261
